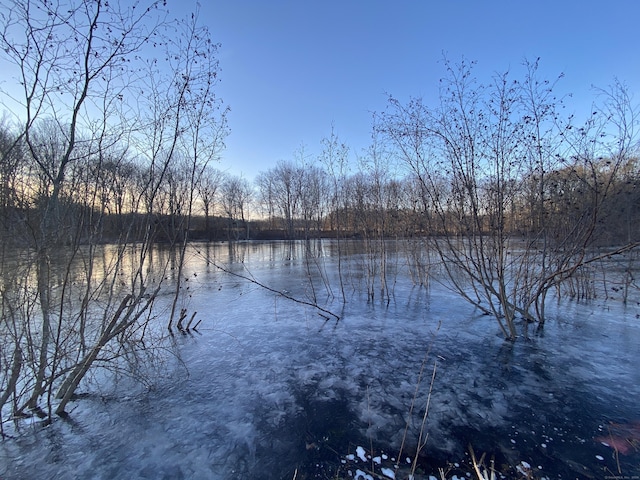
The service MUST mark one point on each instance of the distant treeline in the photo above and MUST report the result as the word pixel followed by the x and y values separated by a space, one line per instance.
pixel 367 206
pixel 487 158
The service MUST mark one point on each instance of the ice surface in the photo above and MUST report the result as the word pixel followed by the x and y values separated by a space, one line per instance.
pixel 269 386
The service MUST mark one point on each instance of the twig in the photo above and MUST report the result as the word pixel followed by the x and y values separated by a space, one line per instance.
pixel 422 443
pixel 415 397
pixel 191 320
pixel 476 466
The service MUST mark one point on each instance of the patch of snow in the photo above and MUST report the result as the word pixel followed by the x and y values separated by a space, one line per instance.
pixel 361 453
pixel 387 472
pixel 524 469
pixel 360 475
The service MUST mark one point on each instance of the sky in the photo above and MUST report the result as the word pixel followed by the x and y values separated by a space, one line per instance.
pixel 290 70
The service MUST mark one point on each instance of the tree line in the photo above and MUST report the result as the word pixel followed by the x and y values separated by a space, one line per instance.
pixel 384 193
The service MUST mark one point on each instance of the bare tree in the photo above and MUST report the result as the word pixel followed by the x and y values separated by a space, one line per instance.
pixel 208 188
pixel 286 183
pixel 374 207
pixel 486 161
pixel 312 193
pixel 11 164
pixel 96 134
pixel 69 59
pixel 187 128
pixel 236 196
pixel 334 157
pixel 265 183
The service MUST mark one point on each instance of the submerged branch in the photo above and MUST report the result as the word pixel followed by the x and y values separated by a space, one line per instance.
pixel 253 280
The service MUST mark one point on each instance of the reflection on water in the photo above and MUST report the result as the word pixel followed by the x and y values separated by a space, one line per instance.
pixel 268 387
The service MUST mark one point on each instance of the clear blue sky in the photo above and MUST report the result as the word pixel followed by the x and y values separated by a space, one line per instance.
pixel 291 68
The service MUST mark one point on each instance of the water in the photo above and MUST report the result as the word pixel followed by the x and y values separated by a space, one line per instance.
pixel 270 389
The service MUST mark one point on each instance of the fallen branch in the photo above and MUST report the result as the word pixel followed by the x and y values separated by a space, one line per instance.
pixel 252 279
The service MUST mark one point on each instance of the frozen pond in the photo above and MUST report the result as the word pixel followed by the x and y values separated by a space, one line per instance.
pixel 269 389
